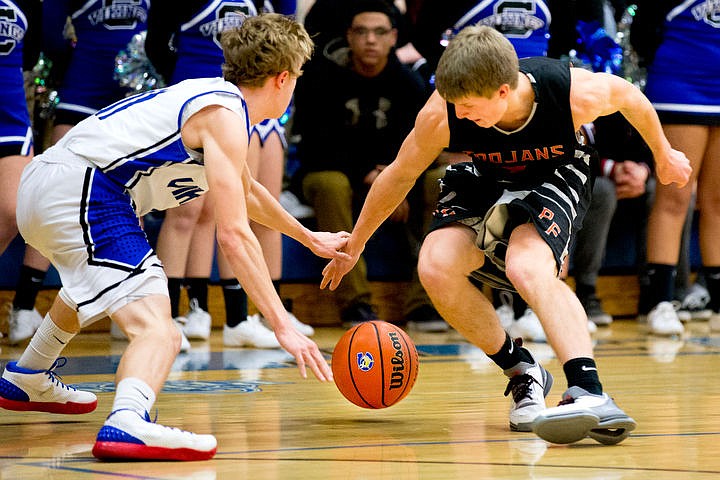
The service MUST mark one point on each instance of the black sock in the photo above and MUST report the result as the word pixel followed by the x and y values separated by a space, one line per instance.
pixel 582 372
pixel 174 289
pixel 519 305
pixel 287 302
pixel 712 282
pixel 660 286
pixel 583 290
pixel 28 287
pixel 197 289
pixel 511 354
pixel 236 308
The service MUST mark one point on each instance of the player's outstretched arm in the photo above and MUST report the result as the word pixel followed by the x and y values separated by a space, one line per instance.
pixel 229 180
pixel 421 147
pixel 597 94
pixel 264 209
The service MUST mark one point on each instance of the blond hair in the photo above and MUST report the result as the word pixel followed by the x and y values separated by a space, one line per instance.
pixel 264 46
pixel 476 62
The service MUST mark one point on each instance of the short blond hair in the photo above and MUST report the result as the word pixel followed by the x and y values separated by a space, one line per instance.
pixel 476 62
pixel 264 46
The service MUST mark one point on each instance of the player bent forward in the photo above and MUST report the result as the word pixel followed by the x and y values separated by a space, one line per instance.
pixel 508 217
pixel 79 204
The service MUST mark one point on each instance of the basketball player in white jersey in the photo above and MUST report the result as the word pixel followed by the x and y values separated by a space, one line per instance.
pixel 79 203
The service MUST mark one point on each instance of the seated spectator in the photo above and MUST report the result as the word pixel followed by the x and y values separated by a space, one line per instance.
pixel 353 108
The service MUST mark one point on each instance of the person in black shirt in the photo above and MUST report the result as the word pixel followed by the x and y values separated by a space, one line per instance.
pixel 507 218
pixel 353 107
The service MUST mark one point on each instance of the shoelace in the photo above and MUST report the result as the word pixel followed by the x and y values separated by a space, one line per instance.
pixel 520 386
pixel 53 375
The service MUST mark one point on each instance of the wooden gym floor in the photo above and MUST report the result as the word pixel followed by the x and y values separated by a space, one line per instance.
pixel 271 424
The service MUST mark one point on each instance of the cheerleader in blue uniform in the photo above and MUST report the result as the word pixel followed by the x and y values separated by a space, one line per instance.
pixel 85 52
pixel 19 51
pixel 84 60
pixel 16 138
pixel 681 43
pixel 193 30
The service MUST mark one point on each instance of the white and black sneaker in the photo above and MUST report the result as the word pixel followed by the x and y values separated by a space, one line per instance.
pixel 529 385
pixel 581 414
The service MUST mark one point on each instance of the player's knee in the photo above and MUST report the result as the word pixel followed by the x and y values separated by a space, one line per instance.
pixel 522 272
pixel 432 269
pixel 673 203
pixel 184 218
pixel 174 337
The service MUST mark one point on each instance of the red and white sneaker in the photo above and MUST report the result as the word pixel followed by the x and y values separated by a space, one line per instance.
pixel 127 435
pixel 23 389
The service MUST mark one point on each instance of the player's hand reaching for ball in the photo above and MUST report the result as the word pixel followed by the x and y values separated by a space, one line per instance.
pixel 337 269
pixel 306 353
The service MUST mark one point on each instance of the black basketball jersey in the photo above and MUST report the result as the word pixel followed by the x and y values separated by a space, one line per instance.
pixel 535 150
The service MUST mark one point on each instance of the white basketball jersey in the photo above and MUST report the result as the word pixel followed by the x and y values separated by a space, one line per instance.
pixel 136 142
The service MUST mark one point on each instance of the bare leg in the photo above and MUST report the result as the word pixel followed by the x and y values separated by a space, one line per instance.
pixel 202 244
pixel 175 237
pixel 670 207
pixel 11 168
pixel 446 259
pixel 154 340
pixel 709 200
pixel 531 269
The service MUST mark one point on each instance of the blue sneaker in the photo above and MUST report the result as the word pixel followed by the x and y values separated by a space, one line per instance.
pixel 23 389
pixel 127 435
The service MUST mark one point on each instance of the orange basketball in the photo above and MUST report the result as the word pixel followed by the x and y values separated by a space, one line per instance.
pixel 375 364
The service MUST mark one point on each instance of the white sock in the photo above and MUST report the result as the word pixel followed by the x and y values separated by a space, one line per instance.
pixel 45 346
pixel 133 394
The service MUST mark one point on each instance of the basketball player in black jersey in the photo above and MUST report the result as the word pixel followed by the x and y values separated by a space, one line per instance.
pixel 507 217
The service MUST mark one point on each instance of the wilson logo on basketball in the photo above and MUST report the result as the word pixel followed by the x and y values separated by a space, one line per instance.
pixel 365 361
pixel 398 361
pixel 375 364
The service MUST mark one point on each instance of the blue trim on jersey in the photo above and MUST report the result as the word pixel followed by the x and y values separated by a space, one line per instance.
pixel 128 102
pixel 244 105
pixel 128 170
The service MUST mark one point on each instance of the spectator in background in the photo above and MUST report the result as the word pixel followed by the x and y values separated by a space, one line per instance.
pixel 678 42
pixel 183 42
pixel 20 50
pixel 353 107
